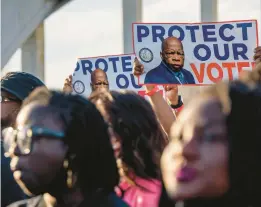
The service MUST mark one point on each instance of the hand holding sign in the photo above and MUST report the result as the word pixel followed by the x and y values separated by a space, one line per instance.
pixel 67 87
pixel 257 56
pixel 138 68
pixel 172 94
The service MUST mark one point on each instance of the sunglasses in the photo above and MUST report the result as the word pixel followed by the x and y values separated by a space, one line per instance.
pixel 8 99
pixel 22 137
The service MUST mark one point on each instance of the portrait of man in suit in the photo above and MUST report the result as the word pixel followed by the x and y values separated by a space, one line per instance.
pixel 170 70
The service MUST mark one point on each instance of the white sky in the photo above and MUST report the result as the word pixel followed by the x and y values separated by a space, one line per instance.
pixel 85 28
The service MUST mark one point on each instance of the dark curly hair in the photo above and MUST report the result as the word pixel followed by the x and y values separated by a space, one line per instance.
pixel 133 119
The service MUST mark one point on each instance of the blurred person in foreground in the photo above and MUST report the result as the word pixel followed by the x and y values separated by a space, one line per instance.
pixel 15 87
pixel 99 82
pixel 213 158
pixel 61 152
pixel 138 141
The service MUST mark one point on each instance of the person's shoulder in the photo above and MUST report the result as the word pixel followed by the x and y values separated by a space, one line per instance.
pixel 189 75
pixel 153 71
pixel 186 71
pixel 31 202
pixel 154 74
pixel 157 68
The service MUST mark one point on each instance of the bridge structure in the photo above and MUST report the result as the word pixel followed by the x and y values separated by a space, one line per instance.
pixel 22 27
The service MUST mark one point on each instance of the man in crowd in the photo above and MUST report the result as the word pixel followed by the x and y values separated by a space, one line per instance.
pixel 15 87
pixel 170 70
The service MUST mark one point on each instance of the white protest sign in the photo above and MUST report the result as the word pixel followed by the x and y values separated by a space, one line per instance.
pixel 117 67
pixel 211 51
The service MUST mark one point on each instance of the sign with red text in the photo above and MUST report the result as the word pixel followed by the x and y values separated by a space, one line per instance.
pixel 194 53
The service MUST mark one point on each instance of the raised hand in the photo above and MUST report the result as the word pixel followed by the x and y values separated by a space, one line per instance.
pixel 67 87
pixel 257 55
pixel 172 94
pixel 138 68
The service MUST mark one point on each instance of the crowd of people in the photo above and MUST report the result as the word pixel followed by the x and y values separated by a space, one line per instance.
pixel 117 149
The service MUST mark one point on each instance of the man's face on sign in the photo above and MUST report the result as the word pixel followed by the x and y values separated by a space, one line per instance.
pixel 172 53
pixel 99 80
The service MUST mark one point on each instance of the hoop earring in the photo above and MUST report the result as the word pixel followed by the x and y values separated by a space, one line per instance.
pixel 69 180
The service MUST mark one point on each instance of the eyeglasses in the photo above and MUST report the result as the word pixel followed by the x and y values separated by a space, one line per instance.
pixel 23 137
pixel 8 99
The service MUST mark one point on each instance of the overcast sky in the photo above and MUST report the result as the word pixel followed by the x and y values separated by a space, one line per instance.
pixel 85 28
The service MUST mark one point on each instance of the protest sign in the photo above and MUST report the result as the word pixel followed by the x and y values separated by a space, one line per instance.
pixel 117 67
pixel 210 51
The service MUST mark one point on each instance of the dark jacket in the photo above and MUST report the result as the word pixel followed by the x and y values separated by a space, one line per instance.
pixel 11 191
pixel 107 201
pixel 164 75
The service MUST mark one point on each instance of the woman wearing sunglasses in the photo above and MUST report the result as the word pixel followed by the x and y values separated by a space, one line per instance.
pixel 61 152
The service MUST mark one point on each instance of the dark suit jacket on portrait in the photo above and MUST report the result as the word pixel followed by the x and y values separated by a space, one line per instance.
pixel 162 74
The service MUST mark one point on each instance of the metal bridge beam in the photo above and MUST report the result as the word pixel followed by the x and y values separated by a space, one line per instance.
pixel 19 19
pixel 33 53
